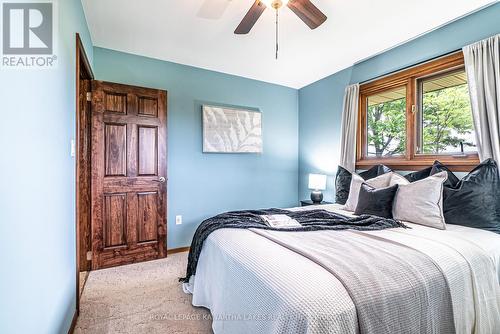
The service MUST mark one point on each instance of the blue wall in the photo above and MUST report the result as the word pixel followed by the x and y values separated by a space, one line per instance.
pixel 320 104
pixel 320 113
pixel 37 196
pixel 201 185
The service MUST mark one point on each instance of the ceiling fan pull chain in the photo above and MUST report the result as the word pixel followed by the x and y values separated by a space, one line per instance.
pixel 277 33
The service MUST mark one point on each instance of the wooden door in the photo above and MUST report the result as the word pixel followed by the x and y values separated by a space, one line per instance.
pixel 129 128
pixel 84 173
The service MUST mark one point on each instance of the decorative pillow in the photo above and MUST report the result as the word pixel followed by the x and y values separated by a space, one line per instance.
pixel 398 179
pixel 375 171
pixel 452 178
pixel 342 185
pixel 420 175
pixel 475 200
pixel 421 202
pixel 344 177
pixel 377 202
pixel 381 181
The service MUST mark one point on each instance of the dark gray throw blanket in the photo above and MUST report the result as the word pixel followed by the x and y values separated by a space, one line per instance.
pixel 311 220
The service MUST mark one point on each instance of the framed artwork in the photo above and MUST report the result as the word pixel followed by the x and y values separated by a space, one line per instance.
pixel 231 130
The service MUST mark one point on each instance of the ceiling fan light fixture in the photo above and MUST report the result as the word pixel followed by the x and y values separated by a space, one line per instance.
pixel 274 3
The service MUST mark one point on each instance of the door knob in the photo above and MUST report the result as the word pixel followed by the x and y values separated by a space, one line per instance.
pixel 162 179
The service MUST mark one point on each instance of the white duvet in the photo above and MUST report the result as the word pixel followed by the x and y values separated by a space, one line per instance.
pixel 254 285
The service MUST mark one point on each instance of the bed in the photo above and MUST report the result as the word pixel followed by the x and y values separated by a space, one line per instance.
pixel 253 282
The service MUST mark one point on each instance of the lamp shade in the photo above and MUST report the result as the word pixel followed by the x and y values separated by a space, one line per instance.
pixel 317 181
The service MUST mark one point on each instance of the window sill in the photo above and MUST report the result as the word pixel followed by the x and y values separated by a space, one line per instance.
pixel 456 164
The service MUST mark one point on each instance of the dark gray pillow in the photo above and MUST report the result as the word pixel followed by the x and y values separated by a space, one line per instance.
pixel 342 185
pixel 419 175
pixel 377 202
pixel 452 180
pixel 475 200
pixel 344 177
pixel 434 169
pixel 375 171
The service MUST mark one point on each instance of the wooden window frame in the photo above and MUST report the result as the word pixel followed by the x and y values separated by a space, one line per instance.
pixel 408 77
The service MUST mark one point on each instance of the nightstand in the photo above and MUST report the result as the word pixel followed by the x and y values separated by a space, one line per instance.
pixel 309 202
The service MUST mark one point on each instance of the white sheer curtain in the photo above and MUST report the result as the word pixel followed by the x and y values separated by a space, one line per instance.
pixel 349 124
pixel 482 63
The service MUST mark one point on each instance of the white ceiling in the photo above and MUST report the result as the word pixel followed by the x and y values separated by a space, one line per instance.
pixel 356 29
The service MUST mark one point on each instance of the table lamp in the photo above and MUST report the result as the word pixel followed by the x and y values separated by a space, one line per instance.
pixel 317 182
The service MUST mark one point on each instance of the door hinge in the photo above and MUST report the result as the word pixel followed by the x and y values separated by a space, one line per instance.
pixel 89 96
pixel 89 256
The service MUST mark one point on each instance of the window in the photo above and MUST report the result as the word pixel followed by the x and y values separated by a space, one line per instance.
pixel 386 122
pixel 411 118
pixel 444 119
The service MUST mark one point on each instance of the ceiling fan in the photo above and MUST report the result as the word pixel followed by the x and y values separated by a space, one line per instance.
pixel 304 9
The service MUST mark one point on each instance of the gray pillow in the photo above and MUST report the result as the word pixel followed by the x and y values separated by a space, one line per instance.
pixel 421 202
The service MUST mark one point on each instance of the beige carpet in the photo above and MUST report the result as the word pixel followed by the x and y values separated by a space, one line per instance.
pixel 83 278
pixel 141 298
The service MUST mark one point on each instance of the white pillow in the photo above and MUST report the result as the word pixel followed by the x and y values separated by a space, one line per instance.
pixel 380 181
pixel 421 202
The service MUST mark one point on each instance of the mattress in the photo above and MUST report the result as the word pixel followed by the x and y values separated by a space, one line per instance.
pixel 252 284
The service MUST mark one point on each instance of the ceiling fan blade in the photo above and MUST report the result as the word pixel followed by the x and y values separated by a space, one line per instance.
pixel 212 9
pixel 250 18
pixel 307 12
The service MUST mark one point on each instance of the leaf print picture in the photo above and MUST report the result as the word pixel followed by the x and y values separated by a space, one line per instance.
pixel 229 130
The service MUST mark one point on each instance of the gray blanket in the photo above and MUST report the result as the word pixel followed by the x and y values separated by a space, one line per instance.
pixel 395 288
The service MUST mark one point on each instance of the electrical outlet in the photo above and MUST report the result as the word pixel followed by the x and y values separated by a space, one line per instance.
pixel 178 220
